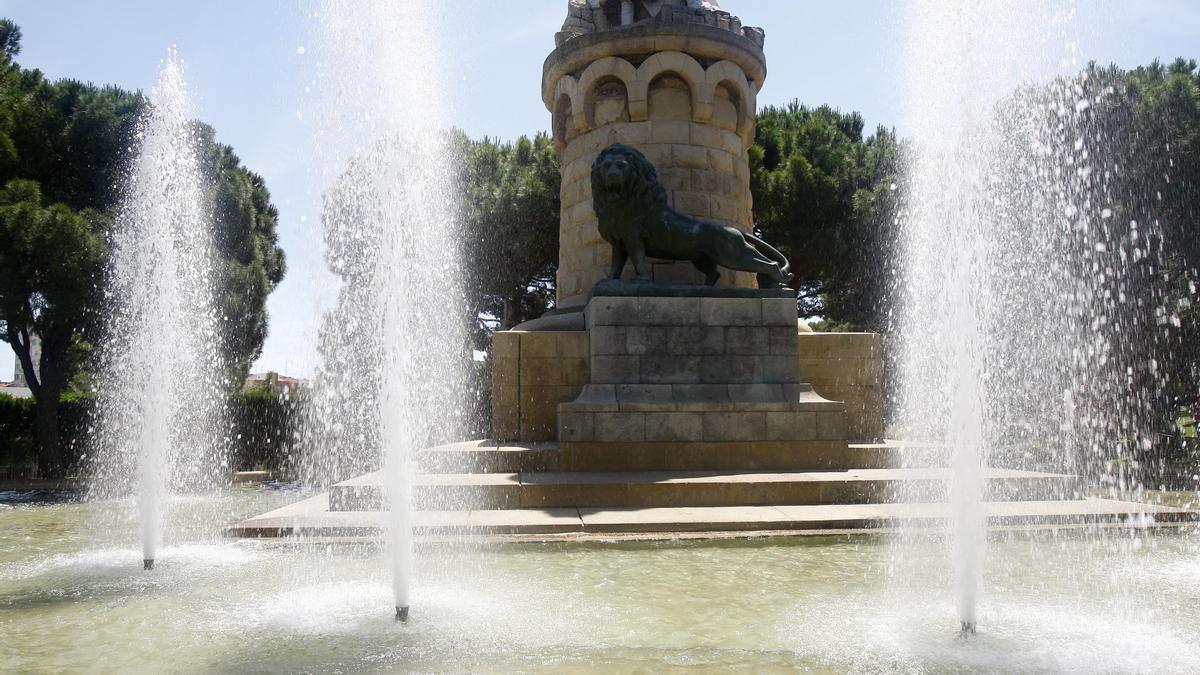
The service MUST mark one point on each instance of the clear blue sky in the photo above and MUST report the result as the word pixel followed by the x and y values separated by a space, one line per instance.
pixel 249 82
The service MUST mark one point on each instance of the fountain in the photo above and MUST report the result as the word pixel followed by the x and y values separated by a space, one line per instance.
pixel 1018 291
pixel 390 236
pixel 160 405
pixel 579 538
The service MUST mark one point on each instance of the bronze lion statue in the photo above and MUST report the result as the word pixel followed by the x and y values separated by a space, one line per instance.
pixel 631 206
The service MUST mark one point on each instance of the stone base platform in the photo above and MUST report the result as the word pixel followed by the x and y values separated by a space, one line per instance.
pixel 486 456
pixel 312 519
pixel 654 489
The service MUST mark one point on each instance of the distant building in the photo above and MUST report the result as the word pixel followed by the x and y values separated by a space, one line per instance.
pixel 274 383
pixel 35 353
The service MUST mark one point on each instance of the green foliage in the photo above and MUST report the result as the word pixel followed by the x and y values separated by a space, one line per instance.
pixel 1149 119
pixel 64 150
pixel 510 219
pixel 17 446
pixel 826 196
pixel 264 427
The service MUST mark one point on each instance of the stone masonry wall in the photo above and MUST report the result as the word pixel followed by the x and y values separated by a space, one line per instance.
pixel 531 374
pixel 847 367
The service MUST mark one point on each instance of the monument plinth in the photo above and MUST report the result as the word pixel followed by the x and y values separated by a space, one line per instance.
pixel 695 383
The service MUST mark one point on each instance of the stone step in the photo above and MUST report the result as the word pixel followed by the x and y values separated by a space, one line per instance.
pixel 490 457
pixel 652 489
pixel 312 518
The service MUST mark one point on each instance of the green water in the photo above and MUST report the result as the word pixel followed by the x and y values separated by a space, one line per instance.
pixel 73 598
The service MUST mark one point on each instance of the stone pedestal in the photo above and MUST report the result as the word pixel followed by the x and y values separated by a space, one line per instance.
pixel 697 377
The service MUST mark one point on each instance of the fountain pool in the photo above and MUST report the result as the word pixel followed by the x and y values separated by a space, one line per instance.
pixel 1126 602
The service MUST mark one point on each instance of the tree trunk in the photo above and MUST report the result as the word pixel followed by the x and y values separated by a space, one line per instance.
pixel 512 313
pixel 50 459
pixel 51 384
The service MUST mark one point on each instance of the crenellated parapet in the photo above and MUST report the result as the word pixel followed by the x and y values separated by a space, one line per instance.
pixel 590 16
pixel 677 80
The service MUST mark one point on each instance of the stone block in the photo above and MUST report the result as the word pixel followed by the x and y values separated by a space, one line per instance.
pixel 642 339
pixel 831 426
pixel 539 412
pixel 723 208
pixel 699 395
pixel 746 340
pixel 670 131
pixel 780 369
pixel 734 426
pixel 735 146
pixel 541 372
pixel 614 311
pixel 731 311
pixel 695 204
pixel 690 156
pixel 720 160
pixel 596 398
pixel 756 393
pixel 670 369
pixel 615 369
pixel 779 312
pixel 619 427
pixel 630 133
pixel 572 344
pixel 782 426
pixel 575 427
pixel 706 135
pixel 506 412
pixel 670 311
pixel 731 369
pixel 674 426
pixel 702 340
pixel 643 397
pixel 609 340
pixel 574 372
pixel 543 345
pixel 675 179
pixel 782 339
pixel 505 372
pixel 506 345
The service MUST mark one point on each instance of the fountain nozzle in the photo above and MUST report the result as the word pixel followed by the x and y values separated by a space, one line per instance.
pixel 967 630
pixel 402 613
pixel 148 564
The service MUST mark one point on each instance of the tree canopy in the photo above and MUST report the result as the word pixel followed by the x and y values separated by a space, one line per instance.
pixel 826 196
pixel 510 220
pixel 65 147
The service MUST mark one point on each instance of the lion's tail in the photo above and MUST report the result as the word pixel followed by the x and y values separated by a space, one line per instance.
pixel 770 252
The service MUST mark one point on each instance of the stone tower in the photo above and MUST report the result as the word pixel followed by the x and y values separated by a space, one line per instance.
pixel 676 79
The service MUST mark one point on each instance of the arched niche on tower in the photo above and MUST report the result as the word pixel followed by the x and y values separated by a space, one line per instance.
pixel 727 107
pixel 733 98
pixel 670 97
pixel 607 102
pixel 563 120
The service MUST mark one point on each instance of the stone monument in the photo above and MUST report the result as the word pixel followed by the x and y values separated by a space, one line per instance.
pixel 677 80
